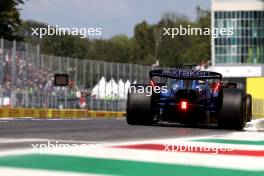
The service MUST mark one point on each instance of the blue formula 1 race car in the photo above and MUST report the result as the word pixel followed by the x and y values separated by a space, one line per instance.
pixel 188 96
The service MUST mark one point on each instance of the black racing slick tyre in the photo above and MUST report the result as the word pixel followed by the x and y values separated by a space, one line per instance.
pixel 233 112
pixel 139 108
pixel 249 107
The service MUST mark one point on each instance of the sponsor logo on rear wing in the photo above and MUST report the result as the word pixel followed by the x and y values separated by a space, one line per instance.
pixel 185 74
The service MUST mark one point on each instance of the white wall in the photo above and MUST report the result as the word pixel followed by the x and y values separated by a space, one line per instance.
pixel 237 5
pixel 238 71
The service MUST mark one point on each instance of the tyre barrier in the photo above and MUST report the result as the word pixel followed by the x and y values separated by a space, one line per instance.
pixel 58 113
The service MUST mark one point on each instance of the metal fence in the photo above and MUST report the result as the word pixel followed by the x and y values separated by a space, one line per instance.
pixel 26 80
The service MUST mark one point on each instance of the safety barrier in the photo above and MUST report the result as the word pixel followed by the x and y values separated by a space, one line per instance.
pixel 255 88
pixel 257 111
pixel 57 113
pixel 258 108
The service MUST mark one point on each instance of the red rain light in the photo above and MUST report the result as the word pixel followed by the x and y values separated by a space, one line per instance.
pixel 184 105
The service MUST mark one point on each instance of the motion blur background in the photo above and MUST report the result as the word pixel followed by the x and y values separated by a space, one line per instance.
pixel 102 69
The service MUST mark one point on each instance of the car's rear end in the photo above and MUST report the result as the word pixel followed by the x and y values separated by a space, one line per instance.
pixel 189 97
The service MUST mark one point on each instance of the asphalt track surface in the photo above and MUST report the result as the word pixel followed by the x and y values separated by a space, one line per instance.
pixel 29 147
pixel 20 133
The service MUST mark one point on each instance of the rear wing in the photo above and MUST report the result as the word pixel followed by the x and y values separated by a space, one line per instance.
pixel 184 74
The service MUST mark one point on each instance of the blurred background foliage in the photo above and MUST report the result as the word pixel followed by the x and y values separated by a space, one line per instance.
pixel 146 46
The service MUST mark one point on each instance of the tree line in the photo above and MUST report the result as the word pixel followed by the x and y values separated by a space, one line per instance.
pixel 146 46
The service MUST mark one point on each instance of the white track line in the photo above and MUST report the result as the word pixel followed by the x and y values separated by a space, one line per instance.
pixel 14 140
pixel 6 171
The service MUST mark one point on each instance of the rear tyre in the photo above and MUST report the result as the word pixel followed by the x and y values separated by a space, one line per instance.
pixel 233 112
pixel 249 107
pixel 139 108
